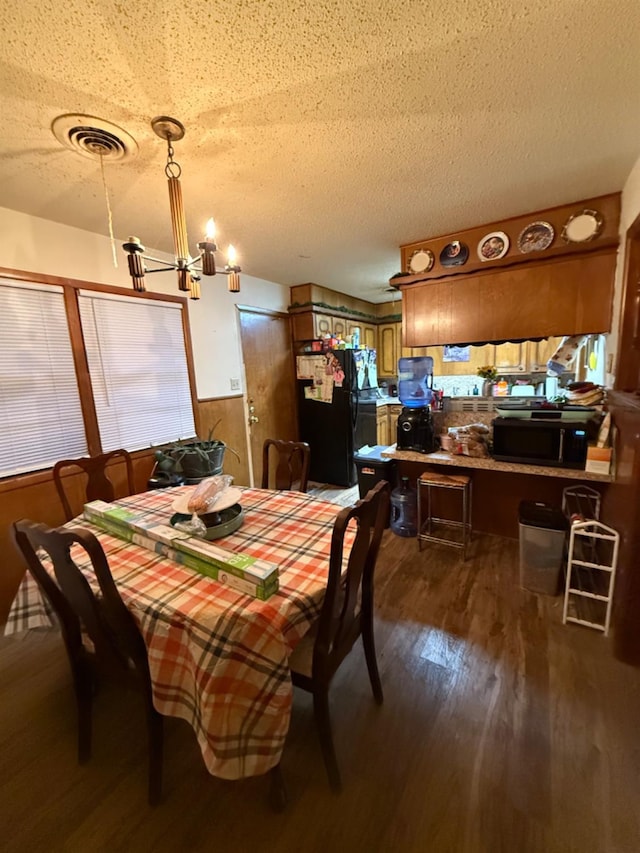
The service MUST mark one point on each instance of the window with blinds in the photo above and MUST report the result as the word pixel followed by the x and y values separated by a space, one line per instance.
pixel 40 414
pixel 138 367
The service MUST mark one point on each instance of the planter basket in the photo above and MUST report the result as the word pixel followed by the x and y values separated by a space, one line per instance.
pixel 196 464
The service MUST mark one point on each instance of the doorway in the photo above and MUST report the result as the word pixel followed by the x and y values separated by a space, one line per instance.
pixel 270 385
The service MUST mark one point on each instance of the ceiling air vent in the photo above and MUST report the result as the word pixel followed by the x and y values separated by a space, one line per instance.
pixel 93 137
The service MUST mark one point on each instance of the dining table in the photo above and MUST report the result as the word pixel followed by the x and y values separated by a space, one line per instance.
pixel 218 657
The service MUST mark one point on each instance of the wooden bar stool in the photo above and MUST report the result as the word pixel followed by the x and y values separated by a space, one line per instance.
pixel 459 535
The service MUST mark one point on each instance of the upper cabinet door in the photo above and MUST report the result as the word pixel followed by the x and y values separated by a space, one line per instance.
pixel 339 327
pixel 322 325
pixel 510 358
pixel 370 335
pixel 566 296
pixel 539 353
pixel 387 353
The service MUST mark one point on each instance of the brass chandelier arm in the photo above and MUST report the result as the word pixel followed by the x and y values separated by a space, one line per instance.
pixel 167 266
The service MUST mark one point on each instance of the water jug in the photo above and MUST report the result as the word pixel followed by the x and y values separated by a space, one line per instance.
pixel 404 509
pixel 415 381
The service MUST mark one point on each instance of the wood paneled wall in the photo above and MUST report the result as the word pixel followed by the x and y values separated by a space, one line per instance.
pixel 231 429
pixel 34 495
pixel 621 510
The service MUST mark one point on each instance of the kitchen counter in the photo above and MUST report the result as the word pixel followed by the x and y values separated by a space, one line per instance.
pixel 489 464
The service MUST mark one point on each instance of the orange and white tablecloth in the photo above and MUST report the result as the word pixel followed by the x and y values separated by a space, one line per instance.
pixel 219 658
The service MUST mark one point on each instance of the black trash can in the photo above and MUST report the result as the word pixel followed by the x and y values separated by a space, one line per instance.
pixel 543 531
pixel 372 467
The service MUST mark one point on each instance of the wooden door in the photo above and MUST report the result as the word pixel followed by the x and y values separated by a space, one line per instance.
pixel 269 368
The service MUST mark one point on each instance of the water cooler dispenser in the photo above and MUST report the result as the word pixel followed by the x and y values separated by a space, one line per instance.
pixel 415 429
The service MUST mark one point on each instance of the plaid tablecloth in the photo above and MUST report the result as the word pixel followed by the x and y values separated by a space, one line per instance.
pixel 219 658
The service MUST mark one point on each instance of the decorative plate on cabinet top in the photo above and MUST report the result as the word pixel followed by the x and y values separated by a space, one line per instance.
pixel 536 237
pixel 421 260
pixel 454 254
pixel 493 246
pixel 582 227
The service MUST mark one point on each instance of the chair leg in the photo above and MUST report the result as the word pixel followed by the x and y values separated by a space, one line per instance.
pixel 323 721
pixel 83 685
pixel 278 797
pixel 156 748
pixel 372 664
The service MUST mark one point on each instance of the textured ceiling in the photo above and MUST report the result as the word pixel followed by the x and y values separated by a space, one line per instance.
pixel 321 135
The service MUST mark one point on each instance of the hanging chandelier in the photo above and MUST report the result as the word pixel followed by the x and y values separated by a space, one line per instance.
pixel 188 268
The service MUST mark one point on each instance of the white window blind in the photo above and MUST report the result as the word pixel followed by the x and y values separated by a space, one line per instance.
pixel 40 414
pixel 138 366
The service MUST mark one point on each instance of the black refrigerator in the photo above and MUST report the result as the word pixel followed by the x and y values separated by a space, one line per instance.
pixel 341 420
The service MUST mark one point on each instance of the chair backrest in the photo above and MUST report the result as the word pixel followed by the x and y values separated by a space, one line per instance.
pixel 96 470
pixel 292 463
pixel 349 595
pixel 111 627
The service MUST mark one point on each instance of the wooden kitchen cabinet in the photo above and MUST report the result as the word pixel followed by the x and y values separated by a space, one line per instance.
pixel 509 358
pixel 370 336
pixel 368 333
pixel 390 349
pixel 401 350
pixel 478 356
pixel 393 413
pixel 560 296
pixel 322 325
pixel 382 424
pixel 387 349
pixel 339 327
pixel 526 357
pixel 539 353
pixel 311 325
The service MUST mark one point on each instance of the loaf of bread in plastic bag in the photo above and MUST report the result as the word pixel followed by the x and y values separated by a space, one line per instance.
pixel 207 492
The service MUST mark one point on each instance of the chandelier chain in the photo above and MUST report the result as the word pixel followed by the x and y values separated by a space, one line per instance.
pixel 172 169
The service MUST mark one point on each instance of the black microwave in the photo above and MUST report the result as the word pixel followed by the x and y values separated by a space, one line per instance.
pixel 540 442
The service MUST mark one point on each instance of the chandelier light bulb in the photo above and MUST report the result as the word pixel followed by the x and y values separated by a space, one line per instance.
pixel 210 230
pixel 232 256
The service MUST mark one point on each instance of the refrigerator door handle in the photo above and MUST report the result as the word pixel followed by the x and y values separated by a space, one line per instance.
pixel 354 407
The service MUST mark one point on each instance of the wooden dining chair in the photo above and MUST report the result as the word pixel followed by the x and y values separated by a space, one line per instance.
pixel 118 646
pixel 291 459
pixel 347 613
pixel 103 479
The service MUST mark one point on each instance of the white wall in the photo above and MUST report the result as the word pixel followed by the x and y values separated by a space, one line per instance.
pixel 40 246
pixel 629 213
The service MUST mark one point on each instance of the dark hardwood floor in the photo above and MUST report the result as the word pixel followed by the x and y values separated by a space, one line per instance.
pixel 502 730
